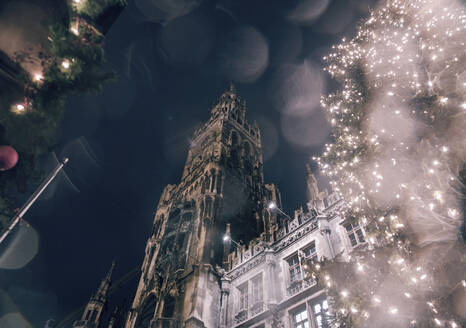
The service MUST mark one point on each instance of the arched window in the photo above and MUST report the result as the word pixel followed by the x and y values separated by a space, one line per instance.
pixel 247 149
pixel 234 138
pixel 147 312
pixel 168 307
pixel 212 182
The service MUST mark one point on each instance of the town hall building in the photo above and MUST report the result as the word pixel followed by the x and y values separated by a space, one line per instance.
pixel 222 253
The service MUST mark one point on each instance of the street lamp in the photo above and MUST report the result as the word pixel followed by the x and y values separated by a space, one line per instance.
pixel 228 238
pixel 273 205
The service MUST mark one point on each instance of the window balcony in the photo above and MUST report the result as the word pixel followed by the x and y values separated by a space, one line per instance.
pixel 257 308
pixel 241 316
pixel 298 286
pixel 246 314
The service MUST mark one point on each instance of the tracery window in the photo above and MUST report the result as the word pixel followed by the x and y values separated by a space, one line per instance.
pixel 300 318
pixel 355 234
pixel 243 296
pixel 321 314
pixel 294 268
pixel 256 289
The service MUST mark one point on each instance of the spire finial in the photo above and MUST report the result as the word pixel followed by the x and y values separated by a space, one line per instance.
pixel 109 273
pixel 232 88
pixel 308 169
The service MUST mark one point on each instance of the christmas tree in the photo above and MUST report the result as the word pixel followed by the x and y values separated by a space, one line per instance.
pixel 396 156
pixel 31 112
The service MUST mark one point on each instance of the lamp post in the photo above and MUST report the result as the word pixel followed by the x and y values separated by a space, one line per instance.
pixel 228 238
pixel 273 206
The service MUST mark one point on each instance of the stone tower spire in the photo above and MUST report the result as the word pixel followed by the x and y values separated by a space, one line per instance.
pixel 232 87
pixel 311 182
pixel 93 312
pixel 222 182
pixel 315 197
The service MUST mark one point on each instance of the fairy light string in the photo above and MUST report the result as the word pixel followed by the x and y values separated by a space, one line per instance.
pixel 397 150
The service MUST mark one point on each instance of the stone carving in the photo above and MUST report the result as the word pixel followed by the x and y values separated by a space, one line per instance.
pixel 255 261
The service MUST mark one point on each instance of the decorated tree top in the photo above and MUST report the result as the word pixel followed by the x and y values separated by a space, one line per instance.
pixel 398 146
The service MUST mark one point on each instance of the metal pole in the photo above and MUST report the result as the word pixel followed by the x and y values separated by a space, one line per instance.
pixel 278 208
pixel 18 216
pixel 238 245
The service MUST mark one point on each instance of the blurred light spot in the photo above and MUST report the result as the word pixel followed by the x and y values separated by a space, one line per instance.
pixel 19 248
pixel 307 131
pixel 187 39
pixel 296 89
pixel 307 11
pixel 16 320
pixel 244 55
pixel 336 18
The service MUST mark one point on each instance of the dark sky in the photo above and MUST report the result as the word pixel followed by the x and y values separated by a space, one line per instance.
pixel 130 141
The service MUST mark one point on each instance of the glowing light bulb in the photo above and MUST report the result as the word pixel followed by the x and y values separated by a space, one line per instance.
pixel 20 107
pixel 393 310
pixel 65 64
pixel 344 293
pixel 38 77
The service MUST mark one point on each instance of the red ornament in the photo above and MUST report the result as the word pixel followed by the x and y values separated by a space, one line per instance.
pixel 8 157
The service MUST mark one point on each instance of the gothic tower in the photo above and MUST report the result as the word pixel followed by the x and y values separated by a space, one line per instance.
pixel 93 312
pixel 222 184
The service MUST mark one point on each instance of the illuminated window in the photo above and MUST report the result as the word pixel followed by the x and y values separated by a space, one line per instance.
pixel 243 296
pixel 300 318
pixel 294 268
pixel 321 314
pixel 354 232
pixel 256 285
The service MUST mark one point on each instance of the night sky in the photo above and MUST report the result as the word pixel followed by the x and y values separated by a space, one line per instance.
pixel 128 142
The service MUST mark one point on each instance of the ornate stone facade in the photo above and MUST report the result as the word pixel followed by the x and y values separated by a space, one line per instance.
pixel 192 276
pixel 222 182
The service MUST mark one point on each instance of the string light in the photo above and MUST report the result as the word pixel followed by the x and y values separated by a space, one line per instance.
pixel 406 51
pixel 38 77
pixel 65 64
